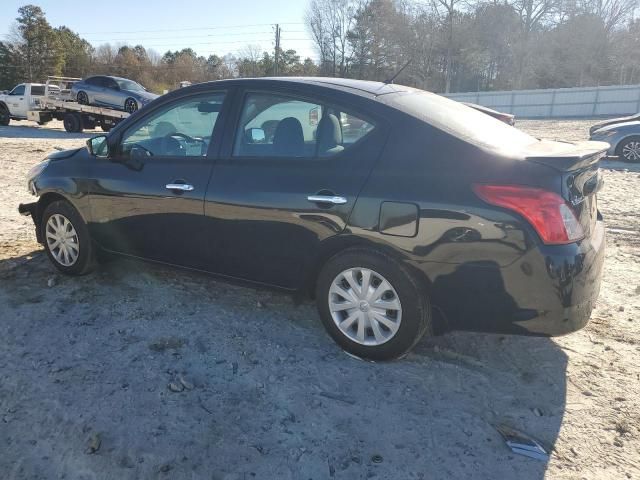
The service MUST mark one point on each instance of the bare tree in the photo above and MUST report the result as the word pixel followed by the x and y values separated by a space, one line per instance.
pixel 329 22
pixel 448 8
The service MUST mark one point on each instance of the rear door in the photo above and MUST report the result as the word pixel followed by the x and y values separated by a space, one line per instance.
pixel 147 199
pixel 287 179
pixel 97 91
pixel 111 94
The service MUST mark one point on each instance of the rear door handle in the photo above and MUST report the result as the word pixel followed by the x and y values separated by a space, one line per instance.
pixel 334 200
pixel 185 187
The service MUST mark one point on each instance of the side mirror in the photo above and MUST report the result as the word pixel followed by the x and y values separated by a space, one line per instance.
pixel 256 135
pixel 98 146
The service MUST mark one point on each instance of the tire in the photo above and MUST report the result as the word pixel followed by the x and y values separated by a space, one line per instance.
pixel 5 116
pixel 43 123
pixel 130 105
pixel 106 127
pixel 629 149
pixel 412 320
pixel 72 122
pixel 83 98
pixel 80 256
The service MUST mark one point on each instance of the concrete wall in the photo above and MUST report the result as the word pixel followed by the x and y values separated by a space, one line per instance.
pixel 559 102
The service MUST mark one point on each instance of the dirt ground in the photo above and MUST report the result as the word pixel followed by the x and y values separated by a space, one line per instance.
pixel 88 367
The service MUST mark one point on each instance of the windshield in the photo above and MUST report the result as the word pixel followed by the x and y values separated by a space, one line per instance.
pixel 130 85
pixel 459 120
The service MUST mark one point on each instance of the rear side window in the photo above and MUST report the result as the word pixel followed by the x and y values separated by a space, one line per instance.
pixel 275 125
pixel 459 120
pixel 93 81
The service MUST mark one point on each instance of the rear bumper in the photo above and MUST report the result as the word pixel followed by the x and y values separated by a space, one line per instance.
pixel 549 291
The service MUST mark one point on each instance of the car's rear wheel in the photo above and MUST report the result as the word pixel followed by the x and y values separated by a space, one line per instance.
pixel 629 149
pixel 130 105
pixel 83 98
pixel 5 116
pixel 66 239
pixel 371 305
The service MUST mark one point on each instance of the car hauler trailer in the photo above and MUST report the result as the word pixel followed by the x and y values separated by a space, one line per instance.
pixel 59 104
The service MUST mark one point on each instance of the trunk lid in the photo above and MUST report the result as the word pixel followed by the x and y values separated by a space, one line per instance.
pixel 577 164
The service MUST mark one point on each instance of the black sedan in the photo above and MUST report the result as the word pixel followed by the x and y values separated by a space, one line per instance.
pixel 403 213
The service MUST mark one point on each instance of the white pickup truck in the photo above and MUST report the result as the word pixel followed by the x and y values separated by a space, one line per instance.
pixel 24 97
pixel 42 103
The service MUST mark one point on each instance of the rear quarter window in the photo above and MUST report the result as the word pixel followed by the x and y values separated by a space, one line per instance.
pixel 459 120
pixel 37 90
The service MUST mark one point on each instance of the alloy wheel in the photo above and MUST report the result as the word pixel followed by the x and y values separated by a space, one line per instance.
pixel 83 98
pixel 365 306
pixel 631 151
pixel 62 240
pixel 130 105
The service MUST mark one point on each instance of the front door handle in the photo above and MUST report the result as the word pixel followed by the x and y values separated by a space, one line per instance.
pixel 185 187
pixel 333 199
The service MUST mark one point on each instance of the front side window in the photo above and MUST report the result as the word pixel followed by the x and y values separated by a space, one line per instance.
pixel 110 83
pixel 183 128
pixel 275 125
pixel 19 90
pixel 128 85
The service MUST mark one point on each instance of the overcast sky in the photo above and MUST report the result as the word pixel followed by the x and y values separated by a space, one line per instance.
pixel 207 26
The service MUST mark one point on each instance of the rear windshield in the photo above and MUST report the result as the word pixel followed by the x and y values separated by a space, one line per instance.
pixel 459 120
pixel 37 89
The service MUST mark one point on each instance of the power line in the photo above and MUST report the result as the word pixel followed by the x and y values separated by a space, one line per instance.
pixel 219 27
pixel 143 39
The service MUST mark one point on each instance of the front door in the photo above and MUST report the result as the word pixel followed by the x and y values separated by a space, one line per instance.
pixel 287 180
pixel 17 100
pixel 147 199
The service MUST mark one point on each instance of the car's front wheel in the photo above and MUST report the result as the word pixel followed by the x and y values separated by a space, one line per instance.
pixel 371 305
pixel 66 239
pixel 629 149
pixel 130 105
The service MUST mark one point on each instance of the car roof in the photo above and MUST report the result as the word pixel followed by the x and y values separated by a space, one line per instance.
pixel 108 76
pixel 358 87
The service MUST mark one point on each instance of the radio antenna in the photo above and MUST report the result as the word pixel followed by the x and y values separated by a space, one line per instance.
pixel 390 80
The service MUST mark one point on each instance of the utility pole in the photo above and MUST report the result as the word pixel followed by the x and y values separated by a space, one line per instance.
pixel 277 54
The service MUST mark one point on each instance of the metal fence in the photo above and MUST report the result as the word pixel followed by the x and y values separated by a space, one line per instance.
pixel 559 102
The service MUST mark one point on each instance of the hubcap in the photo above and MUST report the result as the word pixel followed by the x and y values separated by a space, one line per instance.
pixel 631 151
pixel 365 306
pixel 62 240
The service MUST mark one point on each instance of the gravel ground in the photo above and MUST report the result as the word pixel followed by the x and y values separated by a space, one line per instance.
pixel 139 371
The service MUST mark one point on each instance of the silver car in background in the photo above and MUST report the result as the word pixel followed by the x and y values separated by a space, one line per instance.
pixel 114 92
pixel 623 139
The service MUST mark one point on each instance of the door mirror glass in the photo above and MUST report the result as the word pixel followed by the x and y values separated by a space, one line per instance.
pixel 256 135
pixel 98 146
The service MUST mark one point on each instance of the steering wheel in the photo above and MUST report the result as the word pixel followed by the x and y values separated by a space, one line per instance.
pixel 179 146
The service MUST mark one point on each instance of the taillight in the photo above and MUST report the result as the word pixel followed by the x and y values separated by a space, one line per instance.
pixel 549 214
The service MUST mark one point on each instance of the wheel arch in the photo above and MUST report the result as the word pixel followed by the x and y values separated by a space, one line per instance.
pixel 340 243
pixel 621 142
pixel 47 199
